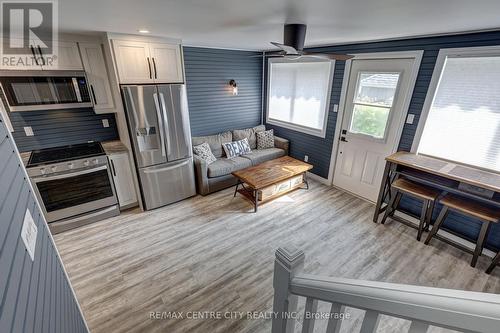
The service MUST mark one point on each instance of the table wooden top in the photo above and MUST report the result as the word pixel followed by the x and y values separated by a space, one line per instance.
pixel 485 179
pixel 272 172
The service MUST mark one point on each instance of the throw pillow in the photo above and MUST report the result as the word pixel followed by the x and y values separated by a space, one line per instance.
pixel 265 139
pixel 236 148
pixel 204 152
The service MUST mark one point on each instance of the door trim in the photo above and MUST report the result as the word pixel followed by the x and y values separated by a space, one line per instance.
pixel 417 59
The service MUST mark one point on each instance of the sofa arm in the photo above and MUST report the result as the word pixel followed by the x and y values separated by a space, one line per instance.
pixel 282 144
pixel 201 175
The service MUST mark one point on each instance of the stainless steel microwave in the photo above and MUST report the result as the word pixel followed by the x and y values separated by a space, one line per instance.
pixel 45 90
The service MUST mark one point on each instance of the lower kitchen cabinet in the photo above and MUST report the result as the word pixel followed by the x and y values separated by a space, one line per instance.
pixel 122 177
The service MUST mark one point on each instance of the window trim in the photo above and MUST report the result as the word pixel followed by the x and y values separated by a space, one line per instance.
pixel 295 127
pixel 481 51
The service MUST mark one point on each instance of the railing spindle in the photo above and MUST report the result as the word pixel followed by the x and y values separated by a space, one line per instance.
pixel 335 322
pixel 311 309
pixel 370 322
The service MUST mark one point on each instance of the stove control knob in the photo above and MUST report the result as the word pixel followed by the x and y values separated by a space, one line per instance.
pixel 86 163
pixel 70 165
pixel 42 171
pixel 53 168
pixel 95 161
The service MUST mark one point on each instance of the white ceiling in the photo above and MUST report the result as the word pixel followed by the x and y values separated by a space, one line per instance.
pixel 246 24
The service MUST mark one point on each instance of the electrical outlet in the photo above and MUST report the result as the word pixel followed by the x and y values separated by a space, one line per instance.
pixel 28 131
pixel 28 234
pixel 410 118
pixel 335 108
pixel 105 123
pixel 306 158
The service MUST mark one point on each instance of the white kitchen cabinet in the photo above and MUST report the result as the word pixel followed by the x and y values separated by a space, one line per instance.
pixel 133 61
pixel 167 62
pixel 143 62
pixel 25 60
pixel 68 57
pixel 97 76
pixel 122 177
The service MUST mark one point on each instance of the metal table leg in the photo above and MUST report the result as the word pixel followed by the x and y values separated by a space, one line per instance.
pixel 256 200
pixel 385 186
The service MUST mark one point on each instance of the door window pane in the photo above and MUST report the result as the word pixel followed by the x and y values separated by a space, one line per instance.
pixel 463 123
pixel 376 88
pixel 369 120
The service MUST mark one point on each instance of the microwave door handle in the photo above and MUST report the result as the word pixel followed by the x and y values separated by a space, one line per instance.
pixel 164 111
pixel 160 124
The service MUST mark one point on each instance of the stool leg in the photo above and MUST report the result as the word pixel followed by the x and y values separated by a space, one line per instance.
pixel 442 216
pixel 480 242
pixel 396 203
pixel 495 262
pixel 423 219
pixel 429 215
pixel 390 207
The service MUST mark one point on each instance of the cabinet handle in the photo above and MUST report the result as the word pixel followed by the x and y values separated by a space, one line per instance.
pixel 113 167
pixel 41 55
pixel 149 66
pixel 34 55
pixel 93 94
pixel 154 66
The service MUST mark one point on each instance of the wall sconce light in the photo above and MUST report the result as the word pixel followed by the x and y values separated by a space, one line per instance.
pixel 234 87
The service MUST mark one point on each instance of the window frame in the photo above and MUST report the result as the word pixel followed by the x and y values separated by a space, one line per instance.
pixel 295 127
pixel 466 52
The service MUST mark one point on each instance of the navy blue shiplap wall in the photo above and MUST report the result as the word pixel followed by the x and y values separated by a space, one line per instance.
pixel 35 296
pixel 319 149
pixel 212 107
pixel 61 127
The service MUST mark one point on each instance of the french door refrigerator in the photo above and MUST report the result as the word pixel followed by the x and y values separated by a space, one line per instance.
pixel 158 122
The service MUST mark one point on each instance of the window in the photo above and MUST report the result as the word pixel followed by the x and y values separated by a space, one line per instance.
pixel 372 103
pixel 463 120
pixel 298 94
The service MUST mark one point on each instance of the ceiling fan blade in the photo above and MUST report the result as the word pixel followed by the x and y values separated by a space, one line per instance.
pixel 286 48
pixel 331 56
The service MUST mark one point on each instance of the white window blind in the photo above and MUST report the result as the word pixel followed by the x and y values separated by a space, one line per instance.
pixel 298 95
pixel 463 123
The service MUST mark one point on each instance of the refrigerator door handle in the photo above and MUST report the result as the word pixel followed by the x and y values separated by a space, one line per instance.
pixel 165 119
pixel 160 124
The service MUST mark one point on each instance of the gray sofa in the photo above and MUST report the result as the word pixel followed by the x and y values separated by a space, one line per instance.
pixel 217 175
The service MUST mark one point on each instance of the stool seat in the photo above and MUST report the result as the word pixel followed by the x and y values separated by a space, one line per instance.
pixel 416 189
pixel 472 208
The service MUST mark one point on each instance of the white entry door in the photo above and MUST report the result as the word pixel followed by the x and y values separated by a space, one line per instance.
pixel 373 117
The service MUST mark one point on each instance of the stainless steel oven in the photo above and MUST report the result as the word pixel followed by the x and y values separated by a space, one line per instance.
pixel 45 90
pixel 73 192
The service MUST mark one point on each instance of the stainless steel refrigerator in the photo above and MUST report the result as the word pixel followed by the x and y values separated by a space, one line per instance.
pixel 158 122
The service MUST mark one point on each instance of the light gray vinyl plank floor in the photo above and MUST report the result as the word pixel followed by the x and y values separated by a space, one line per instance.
pixel 214 254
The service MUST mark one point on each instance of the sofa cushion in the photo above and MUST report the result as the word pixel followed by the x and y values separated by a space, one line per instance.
pixel 259 156
pixel 265 139
pixel 236 148
pixel 224 166
pixel 214 141
pixel 248 133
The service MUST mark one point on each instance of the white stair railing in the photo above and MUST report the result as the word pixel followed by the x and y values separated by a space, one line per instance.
pixel 459 310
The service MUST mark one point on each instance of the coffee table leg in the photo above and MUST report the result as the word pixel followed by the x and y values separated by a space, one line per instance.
pixel 256 200
pixel 305 180
pixel 236 189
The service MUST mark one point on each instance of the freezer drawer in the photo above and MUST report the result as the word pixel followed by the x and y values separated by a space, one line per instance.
pixel 167 183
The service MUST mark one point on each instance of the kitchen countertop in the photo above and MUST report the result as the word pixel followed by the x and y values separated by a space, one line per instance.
pixel 25 157
pixel 114 147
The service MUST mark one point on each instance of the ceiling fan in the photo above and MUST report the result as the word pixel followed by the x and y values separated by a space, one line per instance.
pixel 293 45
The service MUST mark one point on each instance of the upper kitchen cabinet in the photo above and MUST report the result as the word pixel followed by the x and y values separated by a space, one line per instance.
pixel 68 57
pixel 97 76
pixel 27 59
pixel 142 62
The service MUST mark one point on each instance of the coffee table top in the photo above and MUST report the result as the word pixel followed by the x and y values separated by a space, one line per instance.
pixel 272 172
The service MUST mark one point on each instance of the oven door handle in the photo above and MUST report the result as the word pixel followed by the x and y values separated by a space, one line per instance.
pixel 67 175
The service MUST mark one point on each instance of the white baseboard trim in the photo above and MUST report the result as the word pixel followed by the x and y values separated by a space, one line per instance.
pixel 448 235
pixel 317 178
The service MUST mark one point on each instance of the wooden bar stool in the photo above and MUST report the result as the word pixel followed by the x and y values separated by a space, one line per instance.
pixel 485 214
pixel 494 263
pixel 428 196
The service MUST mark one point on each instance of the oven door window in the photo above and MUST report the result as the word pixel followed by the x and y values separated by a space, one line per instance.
pixel 74 190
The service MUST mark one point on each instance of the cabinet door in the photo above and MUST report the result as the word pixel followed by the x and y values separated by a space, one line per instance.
pixel 68 57
pixel 122 176
pixel 133 61
pixel 167 63
pixel 27 59
pixel 97 75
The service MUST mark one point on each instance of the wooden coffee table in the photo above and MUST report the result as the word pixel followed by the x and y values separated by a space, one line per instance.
pixel 268 180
